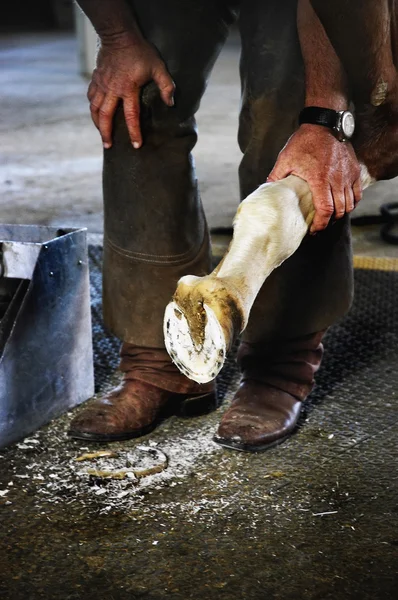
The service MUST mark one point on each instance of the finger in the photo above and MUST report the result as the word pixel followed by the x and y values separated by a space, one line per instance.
pixel 339 202
pixel 349 200
pixel 280 171
pixel 357 189
pixel 131 107
pixel 91 91
pixel 273 176
pixel 105 121
pixel 166 86
pixel 324 207
pixel 95 105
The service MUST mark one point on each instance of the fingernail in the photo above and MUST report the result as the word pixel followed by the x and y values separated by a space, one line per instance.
pixel 171 102
pixel 107 145
pixel 136 145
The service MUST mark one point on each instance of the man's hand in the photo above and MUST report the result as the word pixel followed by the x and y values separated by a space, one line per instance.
pixel 124 65
pixel 328 166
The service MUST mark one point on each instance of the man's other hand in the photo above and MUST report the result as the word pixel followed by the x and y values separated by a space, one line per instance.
pixel 330 168
pixel 124 66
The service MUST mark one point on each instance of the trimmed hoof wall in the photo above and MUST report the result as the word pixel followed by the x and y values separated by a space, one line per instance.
pixel 199 362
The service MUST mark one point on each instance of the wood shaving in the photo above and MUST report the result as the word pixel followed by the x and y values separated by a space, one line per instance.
pixel 274 474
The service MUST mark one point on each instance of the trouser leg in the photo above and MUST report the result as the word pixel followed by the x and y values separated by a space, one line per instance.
pixel 155 229
pixel 281 348
pixel 314 287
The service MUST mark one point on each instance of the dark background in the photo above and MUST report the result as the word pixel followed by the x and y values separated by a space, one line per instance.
pixel 25 15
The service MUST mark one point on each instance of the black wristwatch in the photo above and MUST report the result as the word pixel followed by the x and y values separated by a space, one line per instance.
pixel 341 122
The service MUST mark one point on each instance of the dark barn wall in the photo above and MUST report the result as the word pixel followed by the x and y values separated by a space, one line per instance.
pixel 36 14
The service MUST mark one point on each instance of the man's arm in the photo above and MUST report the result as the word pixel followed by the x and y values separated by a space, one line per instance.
pixel 313 153
pixel 325 79
pixel 111 19
pixel 362 34
pixel 125 63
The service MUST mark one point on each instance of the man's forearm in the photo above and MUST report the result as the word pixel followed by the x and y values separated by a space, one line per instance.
pixel 325 77
pixel 364 35
pixel 111 19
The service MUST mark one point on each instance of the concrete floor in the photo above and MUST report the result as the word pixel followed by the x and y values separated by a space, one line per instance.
pixel 50 167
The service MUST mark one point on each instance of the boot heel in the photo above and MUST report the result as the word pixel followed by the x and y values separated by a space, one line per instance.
pixel 198 405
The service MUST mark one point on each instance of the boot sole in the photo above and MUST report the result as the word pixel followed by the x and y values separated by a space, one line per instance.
pixel 241 447
pixel 193 406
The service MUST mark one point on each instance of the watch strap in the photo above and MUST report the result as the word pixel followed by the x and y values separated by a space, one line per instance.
pixel 318 116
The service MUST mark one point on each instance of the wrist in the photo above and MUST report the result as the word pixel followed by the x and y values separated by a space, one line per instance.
pixel 119 39
pixel 341 123
pixel 317 132
pixel 333 101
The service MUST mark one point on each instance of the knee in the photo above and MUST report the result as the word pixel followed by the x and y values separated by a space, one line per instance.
pixel 159 123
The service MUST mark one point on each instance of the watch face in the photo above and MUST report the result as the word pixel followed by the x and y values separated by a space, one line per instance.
pixel 348 124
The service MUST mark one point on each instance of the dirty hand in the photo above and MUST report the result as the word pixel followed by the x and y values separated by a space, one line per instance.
pixel 123 67
pixel 330 168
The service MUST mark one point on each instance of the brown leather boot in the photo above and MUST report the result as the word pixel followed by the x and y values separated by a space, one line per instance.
pixel 275 381
pixel 152 389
